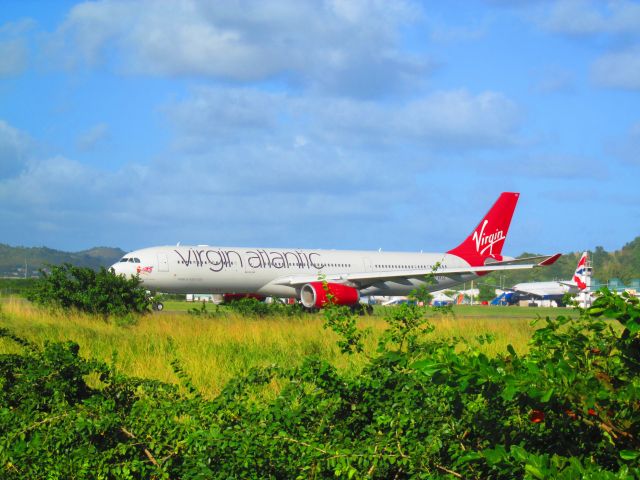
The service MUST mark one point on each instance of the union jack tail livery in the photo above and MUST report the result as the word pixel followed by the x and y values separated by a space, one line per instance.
pixel 486 241
pixel 582 273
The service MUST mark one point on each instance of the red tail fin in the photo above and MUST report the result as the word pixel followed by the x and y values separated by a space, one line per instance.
pixel 487 238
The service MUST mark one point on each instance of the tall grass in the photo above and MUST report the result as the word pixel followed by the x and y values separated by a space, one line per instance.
pixel 214 350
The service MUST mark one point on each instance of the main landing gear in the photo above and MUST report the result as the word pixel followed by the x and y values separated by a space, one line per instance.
pixel 155 299
pixel 362 309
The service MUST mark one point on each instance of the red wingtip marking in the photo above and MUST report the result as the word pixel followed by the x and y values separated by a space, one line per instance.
pixel 551 260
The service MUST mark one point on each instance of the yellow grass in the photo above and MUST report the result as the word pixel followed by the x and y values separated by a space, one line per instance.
pixel 504 331
pixel 214 350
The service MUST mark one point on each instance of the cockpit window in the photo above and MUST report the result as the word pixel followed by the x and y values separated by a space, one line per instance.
pixel 130 260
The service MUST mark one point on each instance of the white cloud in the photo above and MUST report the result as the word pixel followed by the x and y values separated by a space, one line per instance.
pixel 345 47
pixel 618 69
pixel 242 158
pixel 13 57
pixel 231 193
pixel 218 115
pixel 458 119
pixel 92 137
pixel 614 24
pixel 51 184
pixel 593 17
pixel 14 149
pixel 89 28
pixel 13 47
pixel 455 119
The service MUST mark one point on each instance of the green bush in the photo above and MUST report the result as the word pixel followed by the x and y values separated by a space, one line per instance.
pixel 251 307
pixel 247 308
pixel 421 408
pixel 15 286
pixel 102 292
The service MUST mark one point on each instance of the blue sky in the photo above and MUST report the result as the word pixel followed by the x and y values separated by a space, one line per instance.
pixel 358 124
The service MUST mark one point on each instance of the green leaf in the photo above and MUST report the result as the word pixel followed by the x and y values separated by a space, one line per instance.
pixel 596 310
pixel 546 396
pixel 519 453
pixel 629 454
pixel 633 325
pixel 509 392
pixel 428 367
pixel 495 455
pixel 533 471
pixel 470 457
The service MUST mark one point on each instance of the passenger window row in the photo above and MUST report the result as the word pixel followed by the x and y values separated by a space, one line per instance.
pixel 402 266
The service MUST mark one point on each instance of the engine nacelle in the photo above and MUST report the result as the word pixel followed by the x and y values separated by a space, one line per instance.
pixel 313 294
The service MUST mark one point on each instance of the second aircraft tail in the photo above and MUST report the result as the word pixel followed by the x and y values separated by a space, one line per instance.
pixel 582 275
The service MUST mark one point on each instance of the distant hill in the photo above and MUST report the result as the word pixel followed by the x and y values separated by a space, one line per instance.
pixel 623 264
pixel 13 259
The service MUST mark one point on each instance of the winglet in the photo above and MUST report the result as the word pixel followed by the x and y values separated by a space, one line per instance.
pixel 550 261
pixel 488 237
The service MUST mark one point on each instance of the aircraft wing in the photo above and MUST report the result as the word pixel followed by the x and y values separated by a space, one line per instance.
pixel 527 289
pixel 368 278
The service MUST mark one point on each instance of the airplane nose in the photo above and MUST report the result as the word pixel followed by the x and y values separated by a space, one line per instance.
pixel 122 268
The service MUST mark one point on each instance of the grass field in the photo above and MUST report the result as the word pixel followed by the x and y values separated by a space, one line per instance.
pixel 213 350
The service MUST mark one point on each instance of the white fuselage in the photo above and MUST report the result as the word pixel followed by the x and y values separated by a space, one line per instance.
pixel 546 289
pixel 207 269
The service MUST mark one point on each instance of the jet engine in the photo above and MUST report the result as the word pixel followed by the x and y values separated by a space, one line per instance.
pixel 314 295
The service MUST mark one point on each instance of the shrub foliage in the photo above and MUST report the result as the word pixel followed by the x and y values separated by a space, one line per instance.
pixel 102 292
pixel 421 408
pixel 248 308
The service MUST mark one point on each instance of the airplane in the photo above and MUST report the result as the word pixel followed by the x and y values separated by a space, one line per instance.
pixel 555 290
pixel 310 275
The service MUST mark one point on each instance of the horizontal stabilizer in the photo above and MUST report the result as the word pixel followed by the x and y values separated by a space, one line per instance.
pixel 540 260
pixel 550 261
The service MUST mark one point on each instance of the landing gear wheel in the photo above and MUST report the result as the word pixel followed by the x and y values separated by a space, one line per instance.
pixel 158 306
pixel 369 309
pixel 359 309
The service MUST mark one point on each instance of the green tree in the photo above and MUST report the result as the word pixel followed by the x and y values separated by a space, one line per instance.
pixel 487 292
pixel 102 292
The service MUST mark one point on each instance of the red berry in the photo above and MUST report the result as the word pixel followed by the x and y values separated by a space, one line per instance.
pixel 536 416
